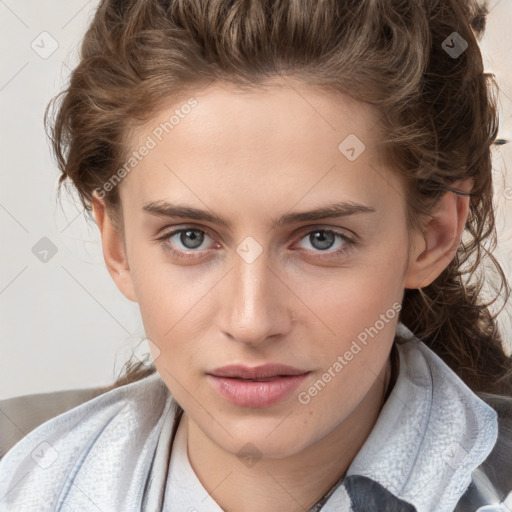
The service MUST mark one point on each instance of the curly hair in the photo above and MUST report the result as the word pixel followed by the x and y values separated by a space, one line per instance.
pixel 438 111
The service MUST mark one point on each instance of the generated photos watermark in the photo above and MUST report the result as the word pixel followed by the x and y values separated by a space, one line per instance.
pixel 357 345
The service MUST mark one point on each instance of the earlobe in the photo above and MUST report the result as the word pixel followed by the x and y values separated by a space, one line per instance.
pixel 440 239
pixel 113 250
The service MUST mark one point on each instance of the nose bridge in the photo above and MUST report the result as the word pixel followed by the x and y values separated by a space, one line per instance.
pixel 250 289
pixel 254 307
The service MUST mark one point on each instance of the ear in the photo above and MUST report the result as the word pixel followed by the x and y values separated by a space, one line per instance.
pixel 436 247
pixel 114 250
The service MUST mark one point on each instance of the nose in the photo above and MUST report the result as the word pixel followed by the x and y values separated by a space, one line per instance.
pixel 257 304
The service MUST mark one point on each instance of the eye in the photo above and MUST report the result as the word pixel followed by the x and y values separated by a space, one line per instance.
pixel 323 239
pixel 190 239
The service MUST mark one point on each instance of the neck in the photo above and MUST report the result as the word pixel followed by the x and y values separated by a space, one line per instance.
pixel 294 483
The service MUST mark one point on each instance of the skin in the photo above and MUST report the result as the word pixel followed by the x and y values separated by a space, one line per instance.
pixel 250 158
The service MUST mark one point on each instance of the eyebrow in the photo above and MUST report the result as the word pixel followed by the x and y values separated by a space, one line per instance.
pixel 330 211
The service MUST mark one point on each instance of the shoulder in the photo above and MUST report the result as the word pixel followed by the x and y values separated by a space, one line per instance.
pixel 22 414
pixel 491 482
pixel 79 443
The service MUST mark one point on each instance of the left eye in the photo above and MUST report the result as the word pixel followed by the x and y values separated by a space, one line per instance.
pixel 323 239
pixel 193 238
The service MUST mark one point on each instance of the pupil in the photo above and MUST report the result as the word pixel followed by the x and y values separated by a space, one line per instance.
pixel 325 239
pixel 197 240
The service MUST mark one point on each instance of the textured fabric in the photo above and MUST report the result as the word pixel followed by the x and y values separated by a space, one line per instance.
pixel 116 452
pixel 22 414
pixel 431 434
pixel 491 486
pixel 97 456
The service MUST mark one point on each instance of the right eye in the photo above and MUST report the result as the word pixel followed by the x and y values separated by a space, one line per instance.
pixel 189 237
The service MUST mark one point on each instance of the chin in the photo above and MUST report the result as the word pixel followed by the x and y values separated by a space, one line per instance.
pixel 257 443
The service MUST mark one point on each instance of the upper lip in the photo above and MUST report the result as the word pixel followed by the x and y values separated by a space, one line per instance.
pixel 256 372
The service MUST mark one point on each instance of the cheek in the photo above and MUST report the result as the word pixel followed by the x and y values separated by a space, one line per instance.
pixel 160 295
pixel 355 295
pixel 176 306
pixel 356 310
pixel 163 290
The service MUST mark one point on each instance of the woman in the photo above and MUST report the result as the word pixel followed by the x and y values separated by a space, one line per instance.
pixel 298 195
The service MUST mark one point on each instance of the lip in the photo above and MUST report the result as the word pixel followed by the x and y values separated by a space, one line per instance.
pixel 256 372
pixel 232 384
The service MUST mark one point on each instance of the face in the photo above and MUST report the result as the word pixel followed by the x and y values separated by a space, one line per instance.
pixel 318 293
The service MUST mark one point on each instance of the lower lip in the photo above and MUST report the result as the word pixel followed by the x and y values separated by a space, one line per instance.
pixel 256 394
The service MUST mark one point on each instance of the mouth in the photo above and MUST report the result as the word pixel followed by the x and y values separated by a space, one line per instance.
pixel 256 392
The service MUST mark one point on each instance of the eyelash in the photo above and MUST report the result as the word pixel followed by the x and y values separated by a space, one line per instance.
pixel 349 243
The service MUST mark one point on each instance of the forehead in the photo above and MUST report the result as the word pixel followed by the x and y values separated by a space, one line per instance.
pixel 286 108
pixel 280 141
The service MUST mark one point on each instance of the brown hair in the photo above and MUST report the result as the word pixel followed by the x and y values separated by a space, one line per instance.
pixel 438 110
